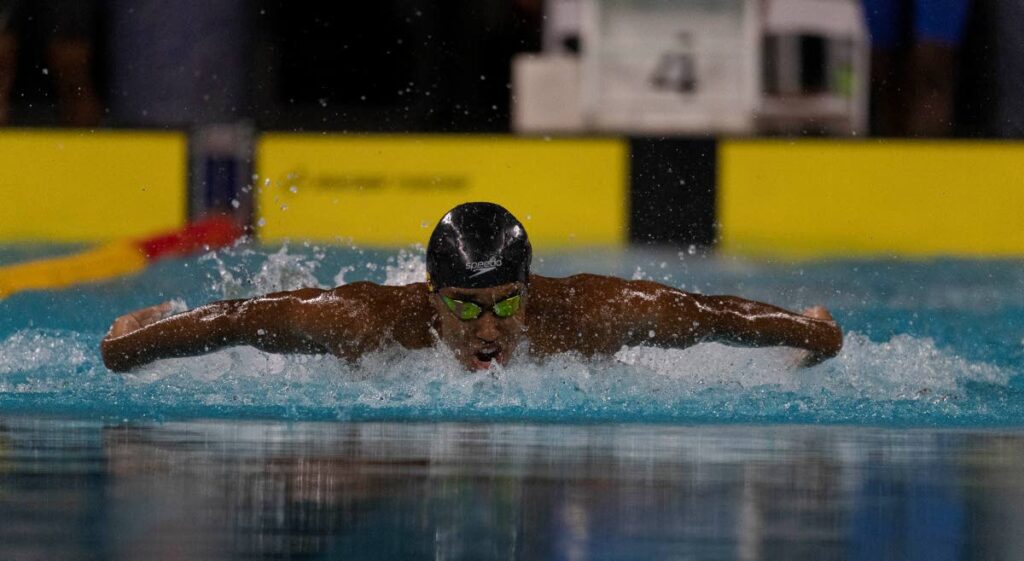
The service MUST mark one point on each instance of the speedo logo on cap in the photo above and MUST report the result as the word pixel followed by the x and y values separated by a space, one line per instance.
pixel 481 267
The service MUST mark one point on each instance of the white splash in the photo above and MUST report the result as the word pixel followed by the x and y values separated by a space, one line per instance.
pixel 283 271
pixel 430 380
pixel 225 281
pixel 902 368
pixel 710 381
pixel 407 267
pixel 33 349
pixel 339 279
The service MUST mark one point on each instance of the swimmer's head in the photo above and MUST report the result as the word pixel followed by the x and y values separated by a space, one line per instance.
pixel 478 267
pixel 478 245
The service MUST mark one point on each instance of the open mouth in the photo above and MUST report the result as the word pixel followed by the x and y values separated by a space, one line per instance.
pixel 484 357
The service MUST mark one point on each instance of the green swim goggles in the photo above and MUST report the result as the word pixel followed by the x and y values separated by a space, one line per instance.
pixel 471 310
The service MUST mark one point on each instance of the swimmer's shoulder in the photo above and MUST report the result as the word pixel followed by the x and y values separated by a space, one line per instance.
pixel 584 298
pixel 568 314
pixel 406 294
pixel 363 291
pixel 575 287
pixel 563 299
pixel 375 312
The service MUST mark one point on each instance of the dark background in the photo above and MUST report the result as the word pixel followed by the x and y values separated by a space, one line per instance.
pixel 387 65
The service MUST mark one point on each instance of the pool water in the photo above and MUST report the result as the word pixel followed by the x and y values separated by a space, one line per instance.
pixel 441 491
pixel 928 343
pixel 905 446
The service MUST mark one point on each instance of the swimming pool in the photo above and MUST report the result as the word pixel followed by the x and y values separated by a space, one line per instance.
pixel 907 445
pixel 928 343
pixel 271 490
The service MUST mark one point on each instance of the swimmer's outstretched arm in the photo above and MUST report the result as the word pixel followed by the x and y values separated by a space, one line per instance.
pixel 346 321
pixel 648 313
pixel 737 321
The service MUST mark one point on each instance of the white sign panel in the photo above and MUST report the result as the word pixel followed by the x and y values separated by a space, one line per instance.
pixel 670 66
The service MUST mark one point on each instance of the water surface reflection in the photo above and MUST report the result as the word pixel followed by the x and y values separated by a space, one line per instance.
pixel 222 490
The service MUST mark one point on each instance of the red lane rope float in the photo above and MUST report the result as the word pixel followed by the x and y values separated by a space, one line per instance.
pixel 118 258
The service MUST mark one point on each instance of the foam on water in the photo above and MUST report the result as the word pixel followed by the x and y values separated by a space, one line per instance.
pixel 280 271
pixel 902 380
pixel 898 379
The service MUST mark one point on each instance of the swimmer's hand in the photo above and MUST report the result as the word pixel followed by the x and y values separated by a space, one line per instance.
pixel 138 319
pixel 120 349
pixel 807 357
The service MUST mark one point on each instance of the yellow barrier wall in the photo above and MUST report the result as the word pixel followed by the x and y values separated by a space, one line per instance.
pixel 391 190
pixel 834 198
pixel 76 186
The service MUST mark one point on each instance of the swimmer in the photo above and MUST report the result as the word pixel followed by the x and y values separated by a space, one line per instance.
pixel 479 300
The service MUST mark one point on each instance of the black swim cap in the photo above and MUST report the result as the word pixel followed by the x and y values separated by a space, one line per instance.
pixel 477 245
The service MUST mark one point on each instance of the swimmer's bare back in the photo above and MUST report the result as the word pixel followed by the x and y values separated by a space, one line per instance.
pixel 589 314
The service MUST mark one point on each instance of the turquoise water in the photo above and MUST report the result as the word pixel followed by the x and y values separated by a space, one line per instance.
pixel 930 343
pixel 908 445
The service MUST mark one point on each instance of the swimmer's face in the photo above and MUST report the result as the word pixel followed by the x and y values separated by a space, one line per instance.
pixel 488 338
